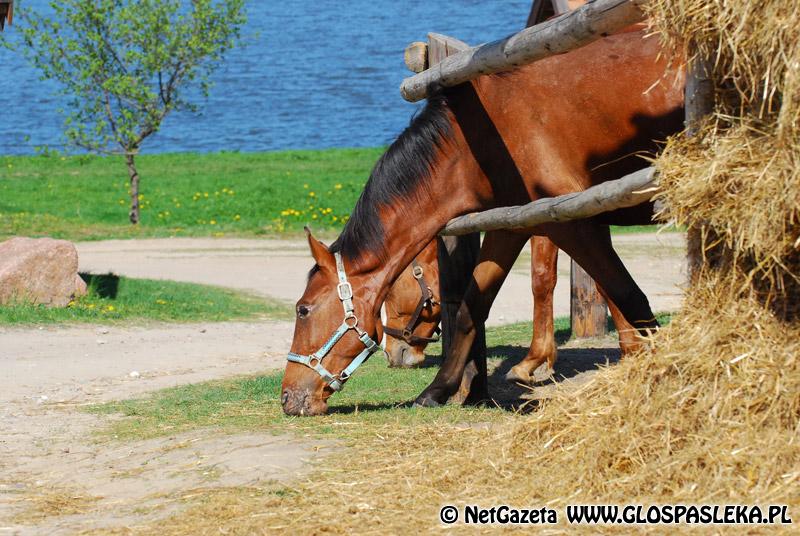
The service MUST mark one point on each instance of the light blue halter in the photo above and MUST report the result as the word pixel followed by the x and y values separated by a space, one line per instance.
pixel 314 361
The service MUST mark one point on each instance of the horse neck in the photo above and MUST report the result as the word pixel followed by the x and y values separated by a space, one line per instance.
pixel 411 223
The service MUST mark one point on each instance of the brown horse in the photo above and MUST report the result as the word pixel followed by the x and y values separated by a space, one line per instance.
pixel 413 311
pixel 405 347
pixel 556 126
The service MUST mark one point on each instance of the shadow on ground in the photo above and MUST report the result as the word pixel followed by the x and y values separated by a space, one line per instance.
pixel 102 285
pixel 574 367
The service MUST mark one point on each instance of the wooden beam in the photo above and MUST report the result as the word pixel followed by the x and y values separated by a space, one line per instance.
pixel 629 191
pixel 556 36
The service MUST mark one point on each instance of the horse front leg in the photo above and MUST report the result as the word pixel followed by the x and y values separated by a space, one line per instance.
pixel 544 274
pixel 498 252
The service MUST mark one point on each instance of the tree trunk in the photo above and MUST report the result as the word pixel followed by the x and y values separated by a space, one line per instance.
pixel 134 175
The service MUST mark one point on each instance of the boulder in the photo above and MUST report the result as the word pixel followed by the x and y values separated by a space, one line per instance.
pixel 39 270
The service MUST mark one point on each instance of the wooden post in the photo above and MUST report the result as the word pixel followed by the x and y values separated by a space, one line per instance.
pixel 587 308
pixel 699 97
pixel 458 256
pixel 6 12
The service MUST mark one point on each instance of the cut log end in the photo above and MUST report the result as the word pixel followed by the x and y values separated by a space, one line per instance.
pixel 416 56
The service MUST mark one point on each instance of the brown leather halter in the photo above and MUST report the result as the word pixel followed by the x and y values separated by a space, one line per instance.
pixel 407 333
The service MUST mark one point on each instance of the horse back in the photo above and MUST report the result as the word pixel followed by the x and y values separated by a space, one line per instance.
pixel 574 120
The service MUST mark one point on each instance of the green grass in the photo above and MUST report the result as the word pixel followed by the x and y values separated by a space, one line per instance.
pixel 376 396
pixel 112 299
pixel 86 197
pixel 185 194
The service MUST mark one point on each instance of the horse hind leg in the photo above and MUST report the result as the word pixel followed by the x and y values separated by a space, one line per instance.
pixel 544 274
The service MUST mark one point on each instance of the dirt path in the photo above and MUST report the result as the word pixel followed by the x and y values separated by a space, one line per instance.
pixel 278 268
pixel 49 460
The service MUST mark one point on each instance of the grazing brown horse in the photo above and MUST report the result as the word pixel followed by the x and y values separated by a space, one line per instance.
pixel 552 127
pixel 413 311
pixel 405 347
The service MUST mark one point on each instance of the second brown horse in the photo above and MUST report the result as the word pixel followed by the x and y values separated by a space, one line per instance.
pixel 405 347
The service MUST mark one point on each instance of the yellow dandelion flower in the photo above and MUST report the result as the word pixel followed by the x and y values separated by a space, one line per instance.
pixel 109 307
pixel 213 222
pixel 237 217
pixel 205 194
pixel 338 187
pixel 304 186
pixel 312 194
pixel 161 302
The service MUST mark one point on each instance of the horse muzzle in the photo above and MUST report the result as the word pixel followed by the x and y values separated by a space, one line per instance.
pixel 302 403
pixel 403 355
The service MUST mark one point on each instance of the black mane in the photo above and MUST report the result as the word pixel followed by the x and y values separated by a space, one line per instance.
pixel 401 172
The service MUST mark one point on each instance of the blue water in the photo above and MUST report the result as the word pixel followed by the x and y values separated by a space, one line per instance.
pixel 312 75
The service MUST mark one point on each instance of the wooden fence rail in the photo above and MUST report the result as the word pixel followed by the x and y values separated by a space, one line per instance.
pixel 567 32
pixel 628 191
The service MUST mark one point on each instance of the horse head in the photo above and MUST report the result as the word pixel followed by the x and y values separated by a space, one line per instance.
pixel 413 311
pixel 334 323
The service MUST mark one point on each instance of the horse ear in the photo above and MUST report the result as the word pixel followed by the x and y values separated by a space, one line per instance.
pixel 320 252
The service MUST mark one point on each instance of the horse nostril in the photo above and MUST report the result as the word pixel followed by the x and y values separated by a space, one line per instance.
pixel 284 397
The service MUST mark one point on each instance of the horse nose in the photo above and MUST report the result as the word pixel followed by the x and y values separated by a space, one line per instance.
pixel 292 403
pixel 403 355
pixel 301 402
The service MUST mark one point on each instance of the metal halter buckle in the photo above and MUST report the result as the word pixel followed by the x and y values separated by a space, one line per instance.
pixel 345 291
pixel 417 272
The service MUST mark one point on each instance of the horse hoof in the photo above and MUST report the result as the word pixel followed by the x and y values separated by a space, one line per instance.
pixel 518 376
pixel 426 400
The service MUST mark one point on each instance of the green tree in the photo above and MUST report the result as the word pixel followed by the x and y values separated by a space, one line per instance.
pixel 126 64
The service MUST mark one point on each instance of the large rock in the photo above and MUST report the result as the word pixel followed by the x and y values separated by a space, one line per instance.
pixel 40 270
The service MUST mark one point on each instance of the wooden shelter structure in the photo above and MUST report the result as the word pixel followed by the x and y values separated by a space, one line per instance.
pixel 588 309
pixel 6 12
pixel 564 32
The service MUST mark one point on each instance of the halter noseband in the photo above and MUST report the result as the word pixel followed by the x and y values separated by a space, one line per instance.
pixel 314 361
pixel 407 333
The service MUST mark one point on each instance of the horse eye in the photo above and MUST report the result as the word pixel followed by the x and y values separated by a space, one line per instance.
pixel 302 311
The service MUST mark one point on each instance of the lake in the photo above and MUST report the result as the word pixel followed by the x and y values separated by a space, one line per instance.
pixel 312 75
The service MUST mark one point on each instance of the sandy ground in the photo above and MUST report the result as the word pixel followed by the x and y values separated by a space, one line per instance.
pixel 46 374
pixel 278 268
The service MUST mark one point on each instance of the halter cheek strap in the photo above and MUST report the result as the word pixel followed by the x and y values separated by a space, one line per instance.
pixel 314 361
pixel 426 298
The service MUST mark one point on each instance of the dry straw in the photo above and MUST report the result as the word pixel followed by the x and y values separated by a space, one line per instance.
pixel 709 414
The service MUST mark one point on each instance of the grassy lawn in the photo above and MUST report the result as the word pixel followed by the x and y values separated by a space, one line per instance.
pixel 113 299
pixel 182 194
pixel 220 194
pixel 376 396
